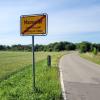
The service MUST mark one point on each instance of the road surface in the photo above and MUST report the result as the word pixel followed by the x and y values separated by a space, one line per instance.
pixel 81 78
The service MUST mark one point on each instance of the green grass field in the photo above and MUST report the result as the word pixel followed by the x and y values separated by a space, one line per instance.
pixel 18 86
pixel 91 57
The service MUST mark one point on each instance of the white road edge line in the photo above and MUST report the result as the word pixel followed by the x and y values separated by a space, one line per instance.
pixel 62 84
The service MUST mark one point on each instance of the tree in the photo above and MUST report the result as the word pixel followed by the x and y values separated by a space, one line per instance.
pixel 2 47
pixel 85 47
pixel 57 47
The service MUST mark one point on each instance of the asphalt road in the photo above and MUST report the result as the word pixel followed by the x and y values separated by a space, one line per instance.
pixel 81 78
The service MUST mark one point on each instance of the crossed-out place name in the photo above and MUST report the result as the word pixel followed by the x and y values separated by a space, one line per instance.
pixel 31 22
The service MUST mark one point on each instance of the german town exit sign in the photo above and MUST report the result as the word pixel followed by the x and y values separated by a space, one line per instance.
pixel 33 24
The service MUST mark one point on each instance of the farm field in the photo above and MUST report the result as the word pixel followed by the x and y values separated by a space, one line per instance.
pixel 18 86
pixel 14 61
pixel 91 57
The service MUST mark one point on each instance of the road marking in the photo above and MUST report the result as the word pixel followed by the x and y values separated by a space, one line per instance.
pixel 33 24
pixel 62 84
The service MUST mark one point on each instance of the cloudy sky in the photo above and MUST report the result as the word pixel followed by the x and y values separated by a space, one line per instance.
pixel 68 20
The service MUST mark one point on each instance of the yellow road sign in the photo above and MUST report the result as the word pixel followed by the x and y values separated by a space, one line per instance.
pixel 33 24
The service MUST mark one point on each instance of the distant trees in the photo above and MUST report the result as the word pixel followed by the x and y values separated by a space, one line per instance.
pixel 84 47
pixel 88 47
pixel 3 47
pixel 57 46
pixel 15 48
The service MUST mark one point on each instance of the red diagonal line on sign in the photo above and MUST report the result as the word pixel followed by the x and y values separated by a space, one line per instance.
pixel 33 24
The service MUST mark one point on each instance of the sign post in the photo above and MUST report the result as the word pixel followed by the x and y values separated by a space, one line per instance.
pixel 33 61
pixel 33 25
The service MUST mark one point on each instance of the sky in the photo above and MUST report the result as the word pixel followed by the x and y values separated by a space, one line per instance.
pixel 68 20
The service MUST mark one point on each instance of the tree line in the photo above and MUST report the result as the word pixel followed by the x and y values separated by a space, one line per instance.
pixel 57 46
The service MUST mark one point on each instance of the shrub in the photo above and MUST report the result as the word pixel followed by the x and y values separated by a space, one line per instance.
pixel 94 51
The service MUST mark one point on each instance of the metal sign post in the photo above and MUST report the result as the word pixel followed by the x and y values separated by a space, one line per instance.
pixel 33 61
pixel 33 25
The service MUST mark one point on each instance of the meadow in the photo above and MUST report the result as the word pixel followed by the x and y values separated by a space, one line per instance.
pixel 16 76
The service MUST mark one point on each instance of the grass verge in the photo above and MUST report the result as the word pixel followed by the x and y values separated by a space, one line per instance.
pixel 19 85
pixel 91 57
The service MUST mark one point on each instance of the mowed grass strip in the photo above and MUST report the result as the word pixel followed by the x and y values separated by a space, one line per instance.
pixel 91 57
pixel 19 85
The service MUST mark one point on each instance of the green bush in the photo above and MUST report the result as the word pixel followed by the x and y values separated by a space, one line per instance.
pixel 94 51
pixel 84 47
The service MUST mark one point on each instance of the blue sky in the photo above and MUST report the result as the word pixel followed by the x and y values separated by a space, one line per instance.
pixel 68 20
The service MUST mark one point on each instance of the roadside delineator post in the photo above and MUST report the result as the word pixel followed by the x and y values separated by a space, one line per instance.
pixel 49 61
pixel 33 25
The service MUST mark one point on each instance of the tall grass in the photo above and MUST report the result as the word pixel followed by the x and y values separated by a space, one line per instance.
pixel 92 57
